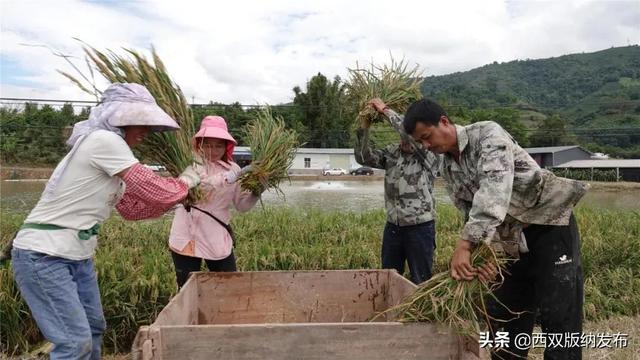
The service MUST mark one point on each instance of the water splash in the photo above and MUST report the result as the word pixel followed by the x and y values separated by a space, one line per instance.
pixel 328 186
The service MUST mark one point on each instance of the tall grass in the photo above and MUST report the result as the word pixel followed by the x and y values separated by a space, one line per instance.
pixel 396 84
pixel 460 305
pixel 273 148
pixel 136 276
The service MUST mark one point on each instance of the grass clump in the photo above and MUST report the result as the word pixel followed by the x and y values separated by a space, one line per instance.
pixel 137 279
pixel 273 148
pixel 457 304
pixel 172 149
pixel 396 84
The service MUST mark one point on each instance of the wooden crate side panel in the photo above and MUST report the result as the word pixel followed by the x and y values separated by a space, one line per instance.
pixel 399 288
pixel 350 341
pixel 136 348
pixel 147 345
pixel 291 297
pixel 182 309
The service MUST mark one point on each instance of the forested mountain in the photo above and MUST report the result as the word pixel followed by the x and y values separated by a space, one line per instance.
pixel 596 96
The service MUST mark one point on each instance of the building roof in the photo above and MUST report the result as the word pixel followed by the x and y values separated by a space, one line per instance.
pixel 549 149
pixel 241 150
pixel 344 151
pixel 609 163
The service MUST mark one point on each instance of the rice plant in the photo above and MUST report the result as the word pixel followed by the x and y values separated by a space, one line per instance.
pixel 172 149
pixel 457 304
pixel 273 148
pixel 137 279
pixel 396 84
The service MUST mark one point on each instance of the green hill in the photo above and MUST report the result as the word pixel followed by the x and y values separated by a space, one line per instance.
pixel 597 95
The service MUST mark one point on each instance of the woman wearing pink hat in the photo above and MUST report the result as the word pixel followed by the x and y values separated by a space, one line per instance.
pixel 202 232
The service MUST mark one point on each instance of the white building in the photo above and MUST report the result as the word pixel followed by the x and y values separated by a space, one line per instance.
pixel 311 160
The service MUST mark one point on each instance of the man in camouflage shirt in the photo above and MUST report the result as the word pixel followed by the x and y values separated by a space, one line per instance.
pixel 506 197
pixel 409 234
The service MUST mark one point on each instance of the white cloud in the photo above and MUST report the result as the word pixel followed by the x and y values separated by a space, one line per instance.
pixel 257 51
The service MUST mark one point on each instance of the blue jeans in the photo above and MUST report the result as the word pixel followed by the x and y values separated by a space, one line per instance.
pixel 413 244
pixel 64 299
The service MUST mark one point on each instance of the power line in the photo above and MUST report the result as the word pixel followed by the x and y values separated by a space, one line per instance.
pixel 470 107
pixel 46 100
pixel 584 131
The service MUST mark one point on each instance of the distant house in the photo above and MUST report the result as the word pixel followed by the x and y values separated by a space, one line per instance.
pixel 555 155
pixel 626 169
pixel 311 160
pixel 308 160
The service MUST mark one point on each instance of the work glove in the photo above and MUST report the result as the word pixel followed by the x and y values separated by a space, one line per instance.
pixel 232 176
pixel 190 177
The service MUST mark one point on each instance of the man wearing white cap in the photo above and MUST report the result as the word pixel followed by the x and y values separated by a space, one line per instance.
pixel 53 250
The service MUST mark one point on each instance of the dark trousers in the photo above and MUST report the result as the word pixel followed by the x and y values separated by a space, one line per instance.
pixel 187 264
pixel 547 279
pixel 413 244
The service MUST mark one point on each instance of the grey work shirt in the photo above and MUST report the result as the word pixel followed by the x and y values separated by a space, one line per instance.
pixel 408 181
pixel 499 187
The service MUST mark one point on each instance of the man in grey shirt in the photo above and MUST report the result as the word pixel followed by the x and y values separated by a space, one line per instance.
pixel 409 233
pixel 506 197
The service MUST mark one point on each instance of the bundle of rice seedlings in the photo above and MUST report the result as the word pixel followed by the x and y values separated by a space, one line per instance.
pixel 273 148
pixel 172 149
pixel 457 304
pixel 396 84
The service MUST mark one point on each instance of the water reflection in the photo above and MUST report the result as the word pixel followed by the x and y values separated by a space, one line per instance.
pixel 21 196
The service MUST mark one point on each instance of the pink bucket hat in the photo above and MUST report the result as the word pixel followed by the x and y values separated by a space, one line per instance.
pixel 216 127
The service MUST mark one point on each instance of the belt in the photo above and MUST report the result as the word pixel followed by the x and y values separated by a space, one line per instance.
pixel 82 234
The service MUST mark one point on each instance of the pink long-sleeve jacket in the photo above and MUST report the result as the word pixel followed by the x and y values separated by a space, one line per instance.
pixel 195 233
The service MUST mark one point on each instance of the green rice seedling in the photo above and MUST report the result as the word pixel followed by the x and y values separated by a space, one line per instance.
pixel 396 84
pixel 172 149
pixel 273 148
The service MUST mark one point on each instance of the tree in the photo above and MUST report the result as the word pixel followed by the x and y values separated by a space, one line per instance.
pixel 322 112
pixel 508 118
pixel 552 132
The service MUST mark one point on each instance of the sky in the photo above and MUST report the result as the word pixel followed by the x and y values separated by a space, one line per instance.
pixel 255 52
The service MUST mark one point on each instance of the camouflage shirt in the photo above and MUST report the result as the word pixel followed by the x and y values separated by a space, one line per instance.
pixel 408 181
pixel 499 187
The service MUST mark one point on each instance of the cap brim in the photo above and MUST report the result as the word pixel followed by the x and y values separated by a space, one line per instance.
pixel 142 114
pixel 217 133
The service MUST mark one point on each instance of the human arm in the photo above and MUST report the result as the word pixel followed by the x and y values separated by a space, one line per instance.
pixel 365 154
pixel 148 195
pixel 495 169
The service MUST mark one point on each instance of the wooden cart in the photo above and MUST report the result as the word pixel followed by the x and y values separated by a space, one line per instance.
pixel 293 315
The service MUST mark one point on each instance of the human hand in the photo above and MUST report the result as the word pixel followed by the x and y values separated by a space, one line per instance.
pixel 461 268
pixel 258 192
pixel 190 177
pixel 487 272
pixel 378 104
pixel 232 175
